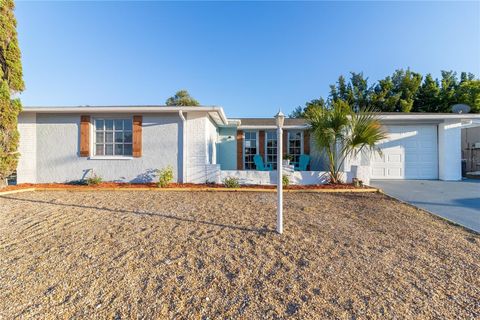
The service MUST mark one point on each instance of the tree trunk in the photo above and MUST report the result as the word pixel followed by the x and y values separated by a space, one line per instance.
pixel 3 183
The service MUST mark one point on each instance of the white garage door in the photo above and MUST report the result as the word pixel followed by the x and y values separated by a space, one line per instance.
pixel 409 152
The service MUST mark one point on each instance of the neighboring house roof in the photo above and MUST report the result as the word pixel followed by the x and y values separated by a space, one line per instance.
pixel 271 121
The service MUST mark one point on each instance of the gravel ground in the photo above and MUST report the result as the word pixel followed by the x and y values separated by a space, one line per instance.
pixel 212 255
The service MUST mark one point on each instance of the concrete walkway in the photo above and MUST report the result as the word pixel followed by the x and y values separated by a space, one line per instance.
pixel 458 201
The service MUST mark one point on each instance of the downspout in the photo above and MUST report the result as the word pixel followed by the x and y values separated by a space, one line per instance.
pixel 184 147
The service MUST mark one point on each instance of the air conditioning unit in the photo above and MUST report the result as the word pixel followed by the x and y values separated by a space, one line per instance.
pixel 476 145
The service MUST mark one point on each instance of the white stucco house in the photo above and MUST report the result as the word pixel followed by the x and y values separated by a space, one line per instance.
pixel 128 143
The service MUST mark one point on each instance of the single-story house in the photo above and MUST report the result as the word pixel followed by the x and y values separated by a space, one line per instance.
pixel 128 144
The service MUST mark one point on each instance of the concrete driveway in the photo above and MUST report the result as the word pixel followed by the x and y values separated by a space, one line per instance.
pixel 457 201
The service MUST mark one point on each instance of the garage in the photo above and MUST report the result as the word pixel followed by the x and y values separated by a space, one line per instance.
pixel 409 152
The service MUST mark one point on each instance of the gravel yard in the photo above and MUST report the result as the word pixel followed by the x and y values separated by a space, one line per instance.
pixel 210 255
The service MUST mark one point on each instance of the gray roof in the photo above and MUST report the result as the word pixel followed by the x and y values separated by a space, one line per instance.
pixel 271 122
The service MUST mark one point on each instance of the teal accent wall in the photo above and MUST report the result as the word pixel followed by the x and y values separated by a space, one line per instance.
pixel 227 148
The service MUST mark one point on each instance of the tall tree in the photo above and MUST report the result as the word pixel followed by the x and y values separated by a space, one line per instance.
pixel 449 85
pixel 11 83
pixel 468 93
pixel 428 99
pixel 355 92
pixel 182 98
pixel 464 76
pixel 300 112
pixel 403 91
pixel 384 98
pixel 397 93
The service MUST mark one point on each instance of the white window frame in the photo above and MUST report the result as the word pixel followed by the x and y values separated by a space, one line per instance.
pixel 256 146
pixel 301 141
pixel 274 164
pixel 93 138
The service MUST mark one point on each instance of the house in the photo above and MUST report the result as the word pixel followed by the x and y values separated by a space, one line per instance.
pixel 128 143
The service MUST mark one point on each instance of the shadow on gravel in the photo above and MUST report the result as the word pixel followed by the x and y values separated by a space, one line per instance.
pixel 260 231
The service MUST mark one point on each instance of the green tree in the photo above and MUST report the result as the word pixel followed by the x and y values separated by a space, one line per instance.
pixel 340 91
pixel 182 98
pixel 300 112
pixel 340 133
pixel 355 92
pixel 397 93
pixel 11 83
pixel 464 76
pixel 428 96
pixel 383 97
pixel 468 93
pixel 449 85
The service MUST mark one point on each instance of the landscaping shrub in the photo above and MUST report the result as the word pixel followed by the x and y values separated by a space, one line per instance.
pixel 93 180
pixel 165 177
pixel 285 181
pixel 231 182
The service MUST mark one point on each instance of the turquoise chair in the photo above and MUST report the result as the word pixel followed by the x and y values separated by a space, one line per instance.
pixel 257 159
pixel 303 162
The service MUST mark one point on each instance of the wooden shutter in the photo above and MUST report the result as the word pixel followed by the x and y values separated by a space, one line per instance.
pixel 306 142
pixel 239 149
pixel 84 136
pixel 285 143
pixel 261 144
pixel 137 136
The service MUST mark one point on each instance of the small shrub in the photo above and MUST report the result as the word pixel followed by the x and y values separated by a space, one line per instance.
pixel 288 157
pixel 94 180
pixel 285 181
pixel 231 182
pixel 165 177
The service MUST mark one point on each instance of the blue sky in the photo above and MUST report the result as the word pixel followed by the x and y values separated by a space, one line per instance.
pixel 252 58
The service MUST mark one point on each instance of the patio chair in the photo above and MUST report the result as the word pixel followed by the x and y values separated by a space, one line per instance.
pixel 257 159
pixel 303 162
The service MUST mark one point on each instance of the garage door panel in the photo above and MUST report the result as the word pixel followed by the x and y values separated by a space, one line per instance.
pixel 395 158
pixel 395 172
pixel 409 152
pixel 378 172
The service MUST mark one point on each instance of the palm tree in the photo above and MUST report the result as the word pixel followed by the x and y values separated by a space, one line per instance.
pixel 341 133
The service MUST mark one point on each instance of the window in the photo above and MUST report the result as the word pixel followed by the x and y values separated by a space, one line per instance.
pixel 271 149
pixel 249 149
pixel 113 137
pixel 295 145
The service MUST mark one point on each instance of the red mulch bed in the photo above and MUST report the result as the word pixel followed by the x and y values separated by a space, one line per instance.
pixel 119 185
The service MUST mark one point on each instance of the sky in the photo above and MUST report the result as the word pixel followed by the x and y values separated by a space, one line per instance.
pixel 251 58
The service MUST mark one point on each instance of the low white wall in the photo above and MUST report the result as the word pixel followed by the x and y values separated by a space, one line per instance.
pixel 270 177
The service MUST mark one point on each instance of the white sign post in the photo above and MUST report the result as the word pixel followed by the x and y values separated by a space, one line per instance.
pixel 280 117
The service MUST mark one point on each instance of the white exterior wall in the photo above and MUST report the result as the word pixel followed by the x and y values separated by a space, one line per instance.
pixel 254 177
pixel 212 139
pixel 58 157
pixel 357 166
pixel 201 157
pixel 449 150
pixel 26 169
